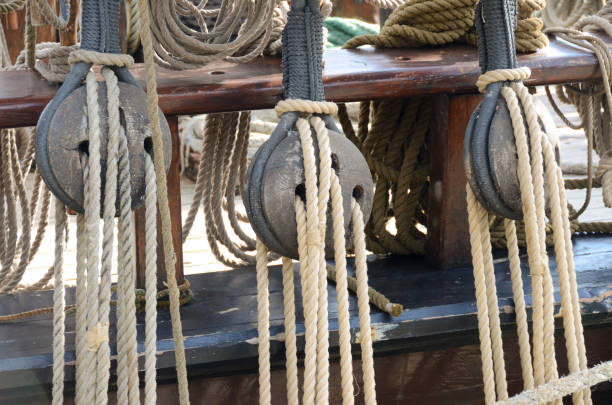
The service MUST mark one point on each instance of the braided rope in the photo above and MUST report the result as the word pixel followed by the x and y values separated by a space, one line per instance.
pixel 162 200
pixel 58 306
pixel 344 325
pixel 290 337
pixel 437 22
pixel 150 283
pixel 536 163
pixel 8 6
pixel 100 58
pixel 263 324
pixel 311 218
pixel 51 61
pixel 305 107
pixel 92 216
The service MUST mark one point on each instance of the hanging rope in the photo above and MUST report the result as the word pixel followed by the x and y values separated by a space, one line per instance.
pixel 536 164
pixel 311 216
pixel 17 248
pixel 162 201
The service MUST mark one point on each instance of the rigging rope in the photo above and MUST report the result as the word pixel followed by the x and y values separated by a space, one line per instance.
pixel 536 164
pixel 311 216
pixel 93 270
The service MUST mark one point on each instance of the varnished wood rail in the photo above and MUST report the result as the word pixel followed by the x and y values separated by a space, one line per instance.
pixel 349 75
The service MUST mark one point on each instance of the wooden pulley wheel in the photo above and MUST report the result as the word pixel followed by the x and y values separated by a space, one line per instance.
pixel 271 209
pixel 66 143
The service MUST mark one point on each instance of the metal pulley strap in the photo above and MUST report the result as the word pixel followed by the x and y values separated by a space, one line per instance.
pixel 62 130
pixel 495 21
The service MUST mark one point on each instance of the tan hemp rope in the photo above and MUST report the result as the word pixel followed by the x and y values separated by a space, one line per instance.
pixel 310 219
pixel 532 160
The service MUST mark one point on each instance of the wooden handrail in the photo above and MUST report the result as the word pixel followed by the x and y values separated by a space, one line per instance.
pixel 349 75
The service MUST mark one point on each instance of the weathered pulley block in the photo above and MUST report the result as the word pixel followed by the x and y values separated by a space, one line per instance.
pixel 63 129
pixel 276 177
pixel 490 154
pixel 276 174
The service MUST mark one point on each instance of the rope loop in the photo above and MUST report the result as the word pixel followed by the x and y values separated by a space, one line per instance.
pixel 306 107
pixel 502 75
pixel 100 58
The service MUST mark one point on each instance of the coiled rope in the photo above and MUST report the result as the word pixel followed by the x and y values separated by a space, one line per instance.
pixel 566 13
pixel 242 31
pixel 436 22
pixel 311 216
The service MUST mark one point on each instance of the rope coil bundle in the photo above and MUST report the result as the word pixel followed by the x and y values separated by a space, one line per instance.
pixel 420 22
pixel 242 31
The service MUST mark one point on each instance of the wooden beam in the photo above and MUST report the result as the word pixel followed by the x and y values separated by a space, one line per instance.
pixel 349 75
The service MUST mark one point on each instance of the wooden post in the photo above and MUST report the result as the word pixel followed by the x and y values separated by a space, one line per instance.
pixel 174 200
pixel 448 242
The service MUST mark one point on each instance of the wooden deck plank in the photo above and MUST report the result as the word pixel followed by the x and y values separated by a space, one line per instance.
pixel 220 325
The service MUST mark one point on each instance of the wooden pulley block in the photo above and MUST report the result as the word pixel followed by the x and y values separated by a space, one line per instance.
pixel 502 159
pixel 62 141
pixel 276 177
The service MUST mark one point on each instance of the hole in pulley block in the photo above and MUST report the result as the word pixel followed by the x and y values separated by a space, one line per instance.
pixel 334 162
pixel 357 193
pixel 300 191
pixel 84 147
pixel 148 145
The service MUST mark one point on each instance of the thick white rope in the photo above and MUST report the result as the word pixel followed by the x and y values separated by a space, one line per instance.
pixel 344 321
pixel 162 199
pixel 536 163
pixel 81 305
pixel 94 275
pixel 263 324
pixel 311 218
pixel 92 218
pixel 150 283
pixel 59 304
pixel 290 337
pixel 365 334
pixel 126 325
pixel 325 171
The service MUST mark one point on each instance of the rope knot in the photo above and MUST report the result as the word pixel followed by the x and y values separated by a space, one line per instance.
pixel 306 107
pixel 502 75
pixel 100 58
